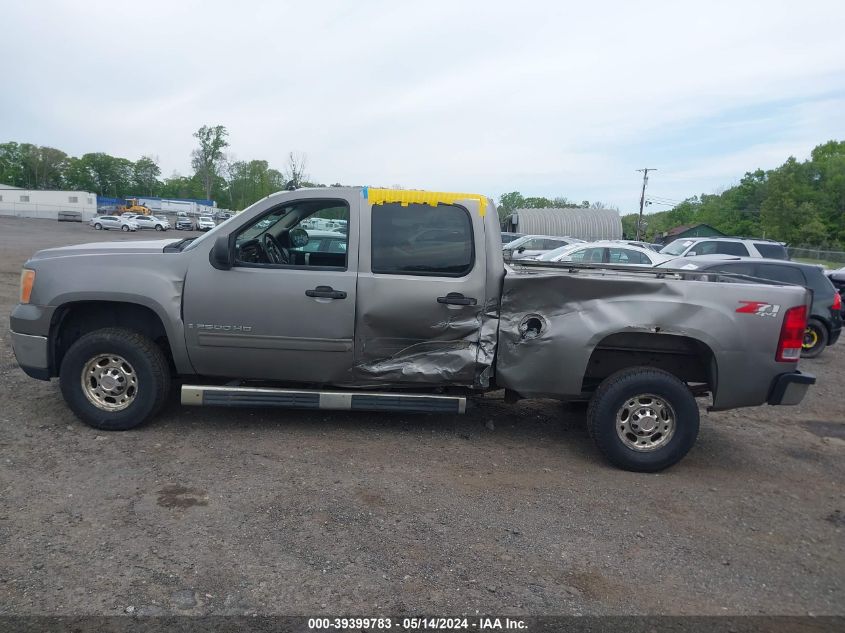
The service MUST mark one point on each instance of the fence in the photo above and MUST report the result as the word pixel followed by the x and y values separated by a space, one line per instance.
pixel 830 259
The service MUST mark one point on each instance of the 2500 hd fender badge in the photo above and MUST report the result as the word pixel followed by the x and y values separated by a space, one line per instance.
pixel 219 328
pixel 760 308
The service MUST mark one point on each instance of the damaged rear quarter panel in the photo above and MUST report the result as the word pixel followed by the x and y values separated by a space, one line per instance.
pixel 579 309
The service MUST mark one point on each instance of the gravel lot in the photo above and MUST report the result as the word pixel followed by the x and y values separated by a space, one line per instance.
pixel 508 509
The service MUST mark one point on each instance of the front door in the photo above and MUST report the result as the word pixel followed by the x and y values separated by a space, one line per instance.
pixel 286 310
pixel 421 294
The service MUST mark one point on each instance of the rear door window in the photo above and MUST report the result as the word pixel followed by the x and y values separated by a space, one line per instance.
pixel 770 250
pixel 588 255
pixel 720 247
pixel 784 274
pixel 420 240
pixel 740 268
pixel 626 256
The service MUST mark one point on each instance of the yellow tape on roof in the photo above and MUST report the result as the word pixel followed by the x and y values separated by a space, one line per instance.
pixel 432 198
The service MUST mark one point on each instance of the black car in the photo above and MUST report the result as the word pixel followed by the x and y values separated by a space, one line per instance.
pixel 825 321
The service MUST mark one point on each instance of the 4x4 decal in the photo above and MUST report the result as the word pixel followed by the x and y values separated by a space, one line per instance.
pixel 760 308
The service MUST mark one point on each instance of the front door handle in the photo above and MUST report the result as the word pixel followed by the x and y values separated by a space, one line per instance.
pixel 326 292
pixel 456 299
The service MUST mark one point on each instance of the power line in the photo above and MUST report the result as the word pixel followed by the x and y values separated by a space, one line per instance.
pixel 645 171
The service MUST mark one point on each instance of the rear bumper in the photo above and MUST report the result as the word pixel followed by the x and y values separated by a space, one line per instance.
pixel 790 388
pixel 33 354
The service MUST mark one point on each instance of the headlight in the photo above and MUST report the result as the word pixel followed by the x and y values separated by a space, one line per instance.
pixel 27 281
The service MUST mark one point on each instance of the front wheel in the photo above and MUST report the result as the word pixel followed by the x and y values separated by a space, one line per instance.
pixel 159 227
pixel 815 339
pixel 643 419
pixel 124 228
pixel 114 379
pixel 98 226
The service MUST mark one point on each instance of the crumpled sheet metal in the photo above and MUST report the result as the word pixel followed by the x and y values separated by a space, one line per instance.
pixel 578 310
pixel 458 351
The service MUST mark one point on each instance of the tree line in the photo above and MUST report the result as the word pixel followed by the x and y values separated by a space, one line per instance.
pixel 235 184
pixel 800 203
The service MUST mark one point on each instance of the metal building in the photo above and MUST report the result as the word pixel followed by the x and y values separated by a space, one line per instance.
pixel 586 224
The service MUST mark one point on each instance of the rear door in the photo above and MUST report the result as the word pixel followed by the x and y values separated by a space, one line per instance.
pixel 421 293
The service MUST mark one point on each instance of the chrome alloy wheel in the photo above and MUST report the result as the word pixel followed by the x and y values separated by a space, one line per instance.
pixel 645 422
pixel 109 382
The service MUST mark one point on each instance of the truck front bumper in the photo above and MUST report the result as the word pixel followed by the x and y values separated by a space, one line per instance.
pixel 790 388
pixel 32 353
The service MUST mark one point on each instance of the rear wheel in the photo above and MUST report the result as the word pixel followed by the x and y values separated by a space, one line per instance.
pixel 815 339
pixel 643 419
pixel 114 379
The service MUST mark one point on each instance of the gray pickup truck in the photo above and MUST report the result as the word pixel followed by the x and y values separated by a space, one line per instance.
pixel 406 305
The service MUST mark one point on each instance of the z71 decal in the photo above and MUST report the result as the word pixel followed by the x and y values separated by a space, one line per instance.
pixel 760 308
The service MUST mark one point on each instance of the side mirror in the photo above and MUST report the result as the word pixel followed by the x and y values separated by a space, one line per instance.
pixel 521 249
pixel 221 254
pixel 690 254
pixel 298 237
pixel 565 258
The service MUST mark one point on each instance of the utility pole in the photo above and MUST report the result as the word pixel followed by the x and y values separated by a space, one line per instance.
pixel 645 171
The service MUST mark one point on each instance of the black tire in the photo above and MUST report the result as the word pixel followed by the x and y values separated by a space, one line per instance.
pixel 610 399
pixel 98 226
pixel 125 227
pixel 815 339
pixel 145 357
pixel 159 227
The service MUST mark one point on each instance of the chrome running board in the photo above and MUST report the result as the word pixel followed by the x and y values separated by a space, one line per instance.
pixel 200 395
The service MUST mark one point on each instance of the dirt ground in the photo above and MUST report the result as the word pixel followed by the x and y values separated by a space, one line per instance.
pixel 508 509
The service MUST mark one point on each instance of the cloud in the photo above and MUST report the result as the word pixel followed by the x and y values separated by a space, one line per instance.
pixel 541 97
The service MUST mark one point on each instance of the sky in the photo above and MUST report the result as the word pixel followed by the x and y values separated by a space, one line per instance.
pixel 546 98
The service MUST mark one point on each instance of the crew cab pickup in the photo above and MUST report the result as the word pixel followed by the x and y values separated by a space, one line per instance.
pixel 409 307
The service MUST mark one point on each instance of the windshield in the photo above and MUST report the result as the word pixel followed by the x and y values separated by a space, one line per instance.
pixel 208 235
pixel 517 242
pixel 676 248
pixel 549 256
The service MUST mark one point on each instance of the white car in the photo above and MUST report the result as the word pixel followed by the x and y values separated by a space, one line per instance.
pixel 151 222
pixel 739 246
pixel 105 222
pixel 609 252
pixel 529 246
pixel 205 223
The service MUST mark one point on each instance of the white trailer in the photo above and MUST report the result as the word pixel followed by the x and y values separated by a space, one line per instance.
pixel 48 205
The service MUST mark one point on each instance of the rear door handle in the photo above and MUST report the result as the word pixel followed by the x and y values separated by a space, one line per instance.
pixel 457 299
pixel 326 292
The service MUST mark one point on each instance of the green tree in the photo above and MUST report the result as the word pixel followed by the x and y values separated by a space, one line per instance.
pixel 145 173
pixel 207 158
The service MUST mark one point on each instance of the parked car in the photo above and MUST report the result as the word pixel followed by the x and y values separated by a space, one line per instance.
pixel 152 222
pixel 507 238
pixel 205 223
pixel 534 245
pixel 105 222
pixel 738 246
pixel 837 278
pixel 825 321
pixel 605 252
pixel 184 223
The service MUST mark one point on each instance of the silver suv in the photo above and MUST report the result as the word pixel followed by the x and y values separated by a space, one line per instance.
pixel 740 246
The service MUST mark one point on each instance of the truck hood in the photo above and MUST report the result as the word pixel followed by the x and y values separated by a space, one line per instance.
pixel 102 248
